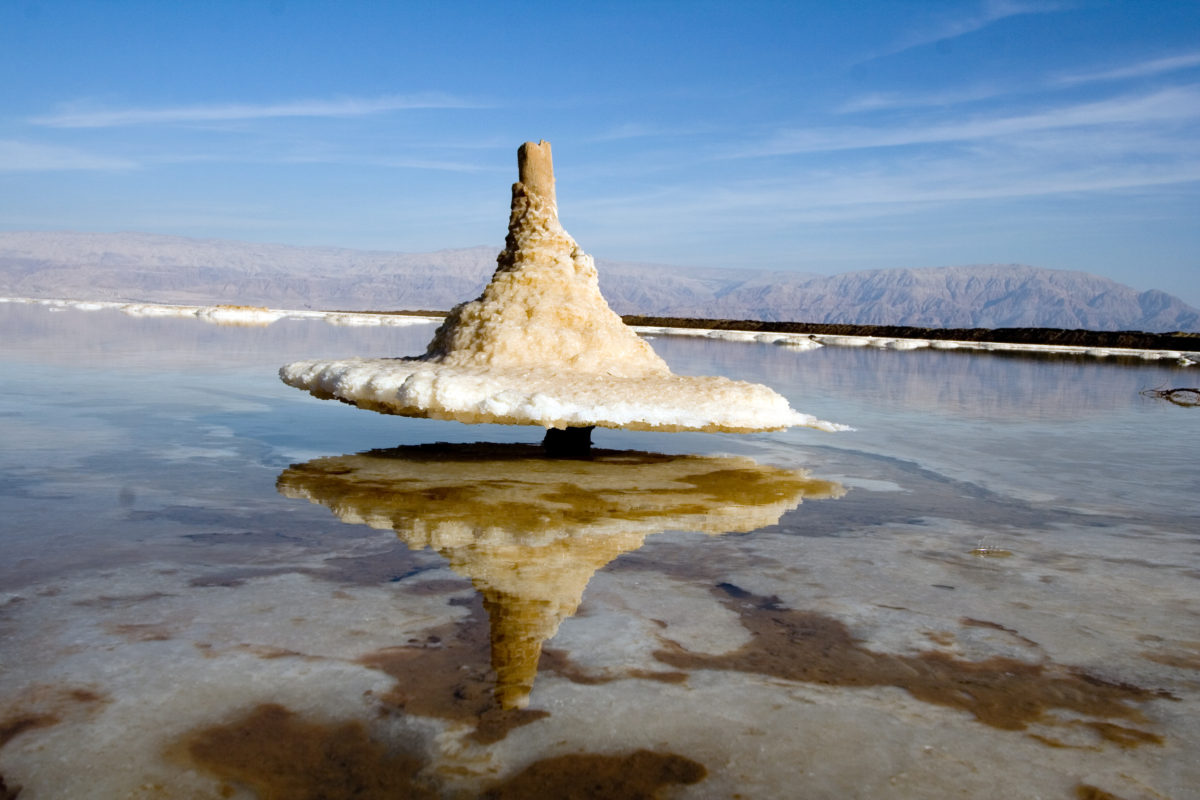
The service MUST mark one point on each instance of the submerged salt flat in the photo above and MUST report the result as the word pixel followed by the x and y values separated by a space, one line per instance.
pixel 161 592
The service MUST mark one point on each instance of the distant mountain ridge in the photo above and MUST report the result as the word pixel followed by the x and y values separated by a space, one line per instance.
pixel 154 268
pixel 982 296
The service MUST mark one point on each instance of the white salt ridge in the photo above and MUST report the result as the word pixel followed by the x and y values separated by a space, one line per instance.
pixel 239 315
pixel 791 341
pixel 154 310
pixel 811 341
pixel 232 315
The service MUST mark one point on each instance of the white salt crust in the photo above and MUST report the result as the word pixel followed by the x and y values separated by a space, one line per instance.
pixel 811 341
pixel 231 314
pixel 550 398
pixel 790 341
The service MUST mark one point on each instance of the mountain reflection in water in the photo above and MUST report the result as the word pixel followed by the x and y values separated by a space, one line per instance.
pixel 530 531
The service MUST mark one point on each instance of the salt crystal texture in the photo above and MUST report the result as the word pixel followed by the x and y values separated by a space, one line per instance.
pixel 540 346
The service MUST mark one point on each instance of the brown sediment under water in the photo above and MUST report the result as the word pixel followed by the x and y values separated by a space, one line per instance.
pixel 560 663
pixel 1002 692
pixel 1085 791
pixel 281 756
pixel 43 706
pixel 584 776
pixel 14 726
pixel 448 675
pixel 1178 660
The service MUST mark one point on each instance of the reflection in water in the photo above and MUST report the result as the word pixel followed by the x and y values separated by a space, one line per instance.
pixel 955 384
pixel 31 334
pixel 851 661
pixel 530 531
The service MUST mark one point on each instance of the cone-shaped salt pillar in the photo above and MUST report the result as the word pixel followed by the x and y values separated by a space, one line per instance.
pixel 529 532
pixel 540 346
pixel 543 306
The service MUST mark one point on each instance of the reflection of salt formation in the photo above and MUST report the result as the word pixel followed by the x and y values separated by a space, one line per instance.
pixel 542 347
pixel 530 531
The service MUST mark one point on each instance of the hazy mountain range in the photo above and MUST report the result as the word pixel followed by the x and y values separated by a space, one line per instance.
pixel 146 267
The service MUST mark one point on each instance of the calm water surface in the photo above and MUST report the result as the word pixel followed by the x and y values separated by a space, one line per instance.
pixel 213 585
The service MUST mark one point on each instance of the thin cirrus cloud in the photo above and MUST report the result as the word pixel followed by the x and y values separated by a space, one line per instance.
pixel 16 156
pixel 1143 69
pixel 343 107
pixel 952 182
pixel 894 100
pixel 1165 106
pixel 1083 161
pixel 879 101
pixel 433 164
pixel 988 14
pixel 628 130
pixel 865 194
pixel 342 158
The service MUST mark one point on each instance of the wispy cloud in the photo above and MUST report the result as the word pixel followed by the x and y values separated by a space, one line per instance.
pixel 317 157
pixel 1098 163
pixel 341 107
pixel 956 182
pixel 638 130
pixel 434 164
pixel 1142 69
pixel 866 193
pixel 878 101
pixel 628 130
pixel 1174 104
pixel 31 157
pixel 988 14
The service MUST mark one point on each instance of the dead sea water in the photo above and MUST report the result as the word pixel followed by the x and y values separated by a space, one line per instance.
pixel 214 586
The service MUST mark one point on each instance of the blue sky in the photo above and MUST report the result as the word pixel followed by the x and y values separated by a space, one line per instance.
pixel 810 136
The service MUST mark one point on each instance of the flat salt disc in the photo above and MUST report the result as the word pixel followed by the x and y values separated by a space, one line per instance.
pixel 550 398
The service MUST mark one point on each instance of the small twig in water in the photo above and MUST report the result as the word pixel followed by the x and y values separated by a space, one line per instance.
pixel 1180 397
pixel 986 550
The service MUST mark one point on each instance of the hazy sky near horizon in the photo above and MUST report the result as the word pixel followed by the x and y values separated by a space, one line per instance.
pixel 810 136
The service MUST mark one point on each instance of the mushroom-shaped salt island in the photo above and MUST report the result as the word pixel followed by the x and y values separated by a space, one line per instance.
pixel 530 531
pixel 540 346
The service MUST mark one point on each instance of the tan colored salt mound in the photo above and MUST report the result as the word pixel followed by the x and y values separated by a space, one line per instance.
pixel 540 346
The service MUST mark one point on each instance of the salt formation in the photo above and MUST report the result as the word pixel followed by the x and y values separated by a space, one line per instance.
pixel 540 346
pixel 529 531
pixel 249 316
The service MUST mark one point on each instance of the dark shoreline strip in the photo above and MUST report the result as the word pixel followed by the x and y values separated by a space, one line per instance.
pixel 1063 337
pixel 1138 340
